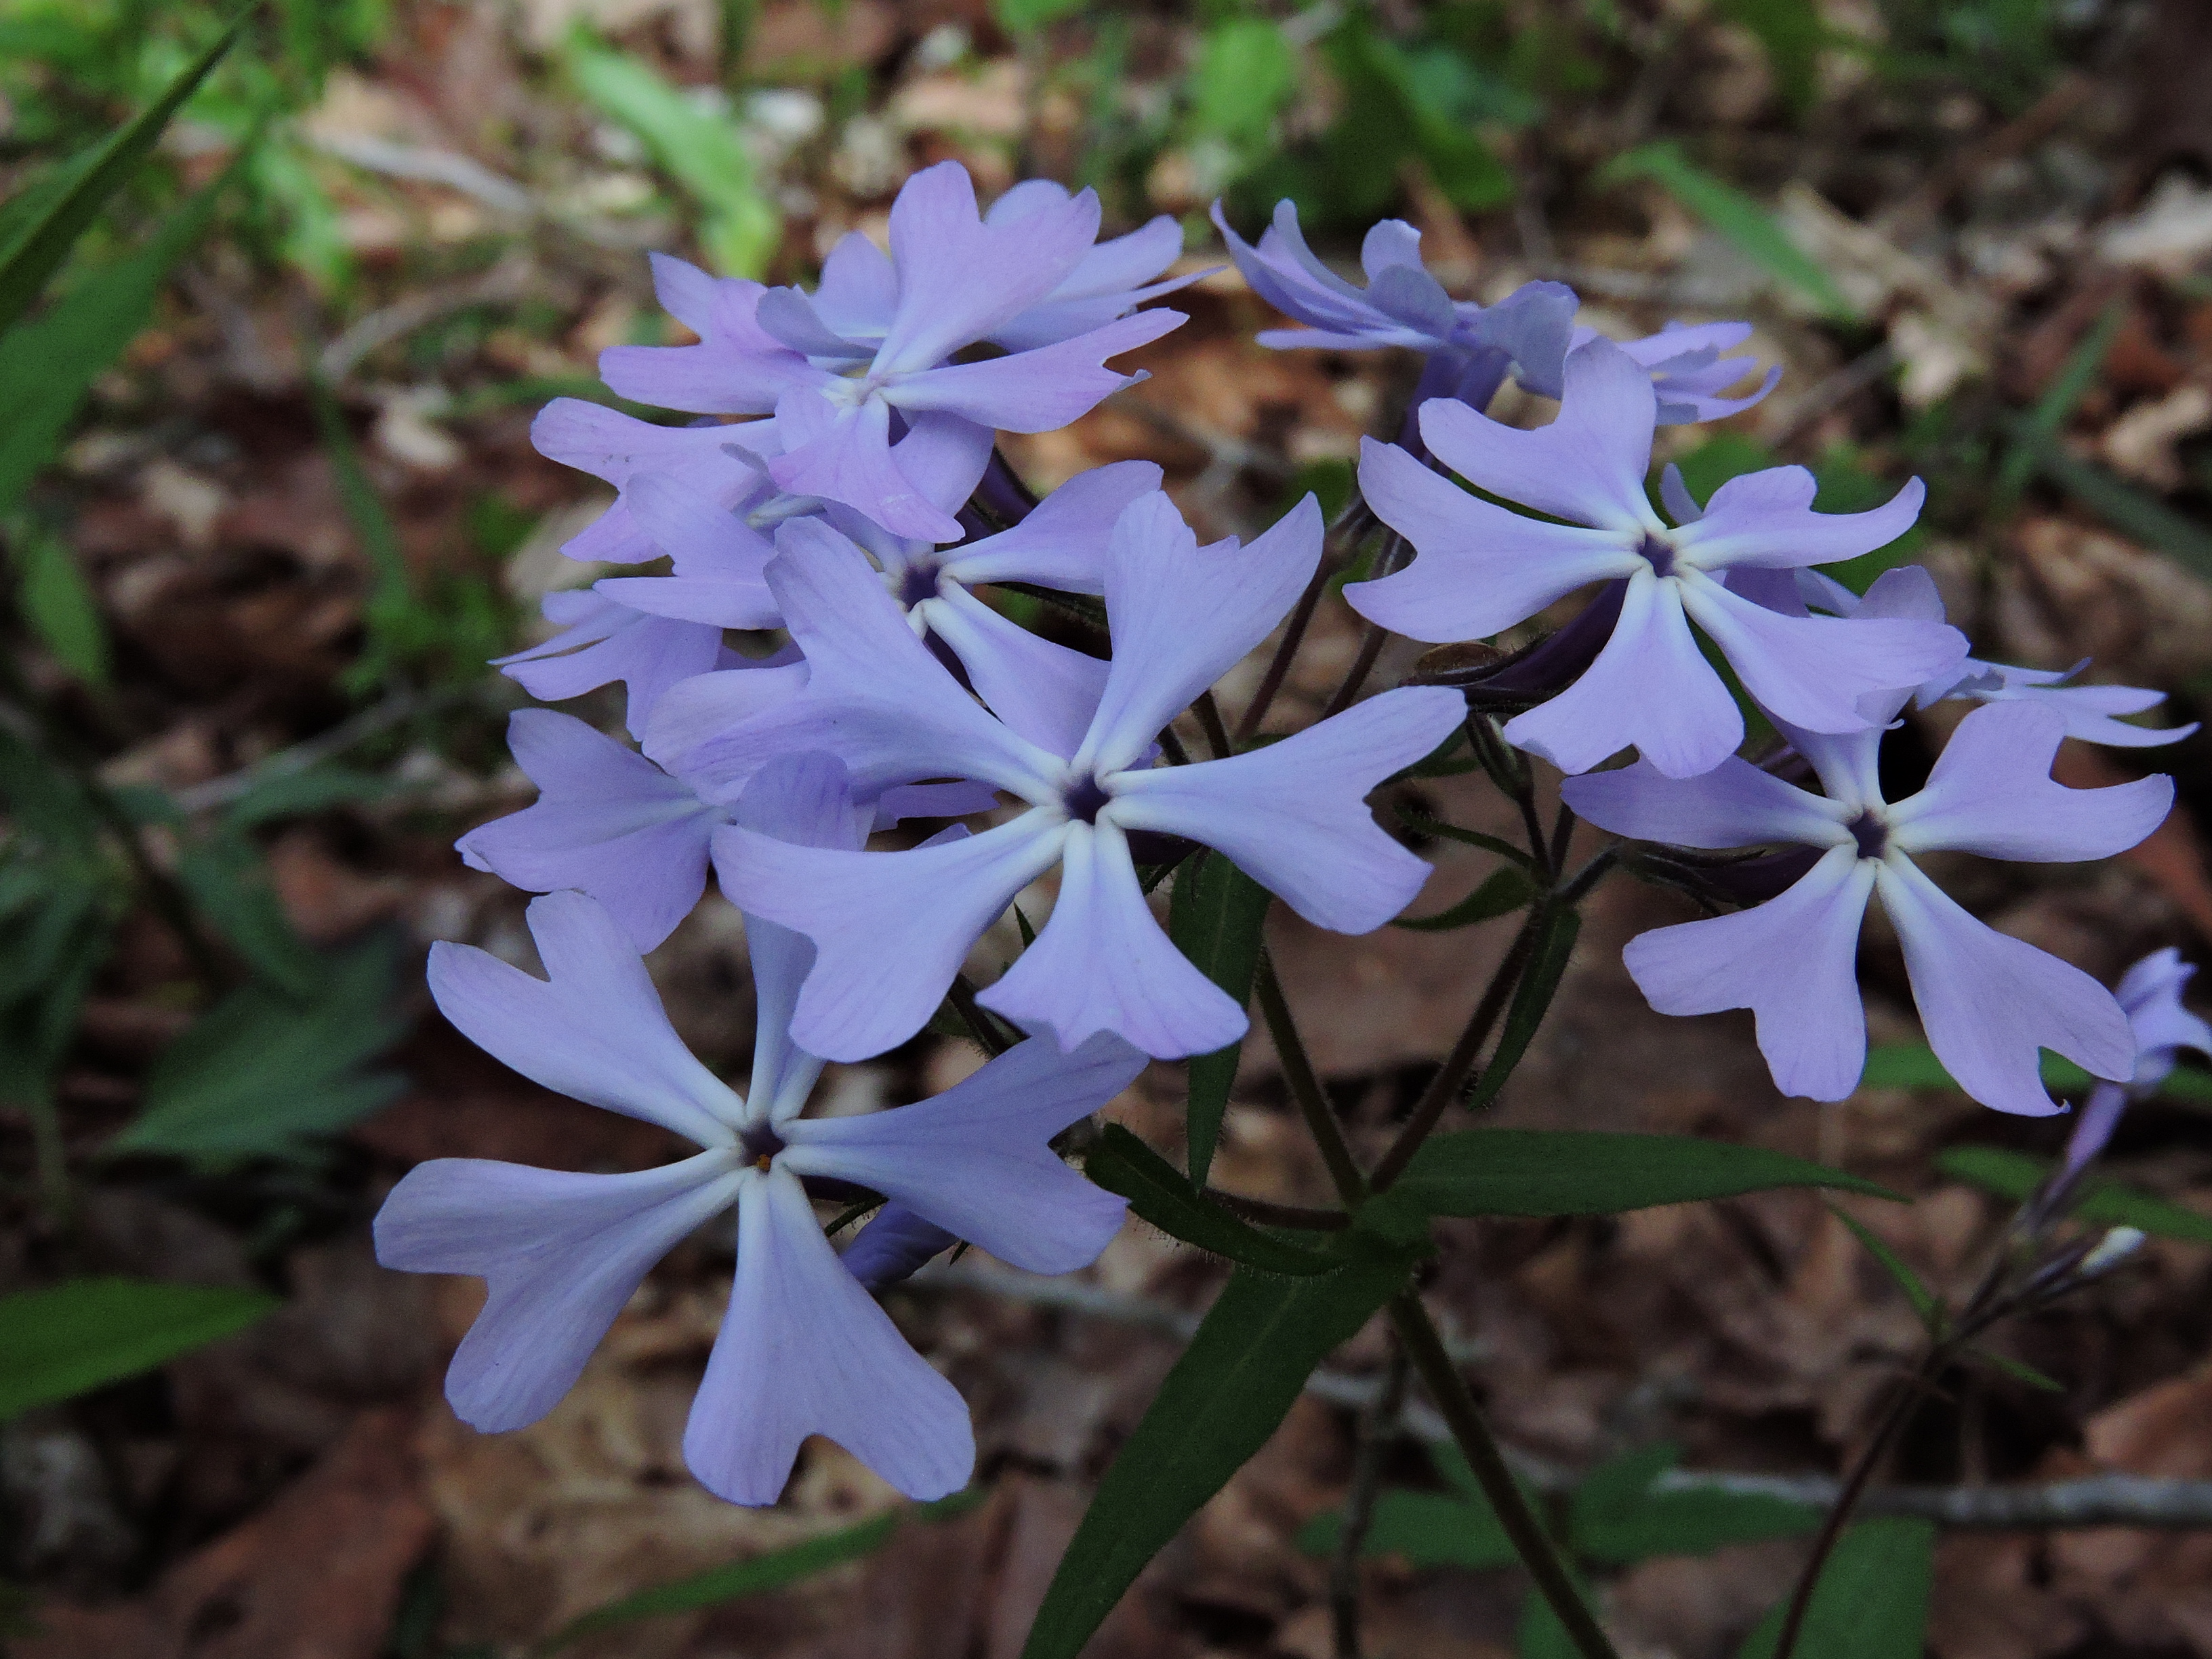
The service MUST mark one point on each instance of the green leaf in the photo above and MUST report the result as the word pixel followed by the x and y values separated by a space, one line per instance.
pixel 296 794
pixel 1752 231
pixel 1872 1599
pixel 1215 915
pixel 259 1076
pixel 57 603
pixel 62 1341
pixel 229 883
pixel 1502 893
pixel 1438 830
pixel 761 1573
pixel 2139 516
pixel 49 364
pixel 701 151
pixel 1616 1517
pixel 1428 1528
pixel 1540 1635
pixel 2015 1175
pixel 1929 1308
pixel 1025 16
pixel 1557 928
pixel 2020 1370
pixel 1122 1163
pixel 389 612
pixel 1229 1392
pixel 42 240
pixel 1546 1172
pixel 1246 72
pixel 2040 427
pixel 1792 34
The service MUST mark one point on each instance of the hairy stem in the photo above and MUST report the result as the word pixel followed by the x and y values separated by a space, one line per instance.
pixel 1269 1214
pixel 1534 1545
pixel 1305 1087
pixel 1378 1424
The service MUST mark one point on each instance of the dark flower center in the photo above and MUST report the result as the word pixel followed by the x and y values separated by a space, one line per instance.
pixel 1083 799
pixel 1871 834
pixel 918 583
pixel 1659 553
pixel 761 1144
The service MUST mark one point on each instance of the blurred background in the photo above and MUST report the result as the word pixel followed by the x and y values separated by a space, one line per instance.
pixel 269 503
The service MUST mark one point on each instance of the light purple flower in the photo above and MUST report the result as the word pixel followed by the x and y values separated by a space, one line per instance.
pixel 610 823
pixel 726 463
pixel 1987 1001
pixel 2090 711
pixel 865 357
pixel 1481 569
pixel 892 928
pixel 1471 348
pixel 2149 993
pixel 602 640
pixel 804 1349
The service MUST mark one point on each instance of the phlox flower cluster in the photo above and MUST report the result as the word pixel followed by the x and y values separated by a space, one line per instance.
pixel 840 506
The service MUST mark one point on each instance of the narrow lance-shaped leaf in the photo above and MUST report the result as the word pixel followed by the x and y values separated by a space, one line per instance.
pixel 1871 1601
pixel 1926 1304
pixel 1229 1392
pixel 61 1341
pixel 1122 1163
pixel 2015 1174
pixel 1544 1172
pixel 1502 893
pixel 1557 931
pixel 57 603
pixel 44 240
pixel 1214 917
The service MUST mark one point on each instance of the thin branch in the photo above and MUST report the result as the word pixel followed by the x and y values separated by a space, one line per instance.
pixel 1472 1434
pixel 1379 1426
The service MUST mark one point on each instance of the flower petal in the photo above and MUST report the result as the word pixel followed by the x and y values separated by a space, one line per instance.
pixel 1103 964
pixel 1294 815
pixel 1034 391
pixel 1988 1001
pixel 859 289
pixel 975 1160
pixel 1062 543
pixel 1047 692
pixel 844 454
pixel 1481 569
pixel 1812 672
pixel 1182 615
pixel 1766 518
pixel 1588 465
pixel 890 929
pixel 1735 804
pixel 1991 792
pixel 1792 961
pixel 804 1349
pixel 704 707
pixel 560 1253
pixel 607 820
pixel 1649 687
pixel 594 1031
pixel 605 641
pixel 894 1245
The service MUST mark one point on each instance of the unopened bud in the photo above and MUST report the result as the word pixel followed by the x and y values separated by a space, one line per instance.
pixel 2114 1248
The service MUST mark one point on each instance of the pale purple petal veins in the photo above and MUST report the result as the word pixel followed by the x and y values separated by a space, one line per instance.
pixel 844 454
pixel 1988 1001
pixel 890 929
pixel 1767 519
pixel 975 1160
pixel 1792 961
pixel 804 1349
pixel 1588 465
pixel 594 1031
pixel 702 708
pixel 1812 671
pixel 1047 692
pixel 1294 816
pixel 1735 804
pixel 1036 390
pixel 560 1253
pixel 1062 543
pixel 1649 687
pixel 608 821
pixel 959 277
pixel 1480 569
pixel 1991 792
pixel 1104 963
pixel 1182 615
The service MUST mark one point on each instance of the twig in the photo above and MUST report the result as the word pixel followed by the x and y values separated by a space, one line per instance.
pixel 1472 1436
pixel 424 165
pixel 507 280
pixel 379 717
pixel 1378 1426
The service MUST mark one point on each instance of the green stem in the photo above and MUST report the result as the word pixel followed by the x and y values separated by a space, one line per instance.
pixel 1305 1087
pixel 1377 1424
pixel 1534 1545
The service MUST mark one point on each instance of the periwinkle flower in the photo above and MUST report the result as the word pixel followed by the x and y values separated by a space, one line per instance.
pixel 2149 993
pixel 867 356
pixel 1987 1001
pixel 803 1349
pixel 1482 568
pixel 2091 712
pixel 892 928
pixel 602 640
pixel 1471 349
